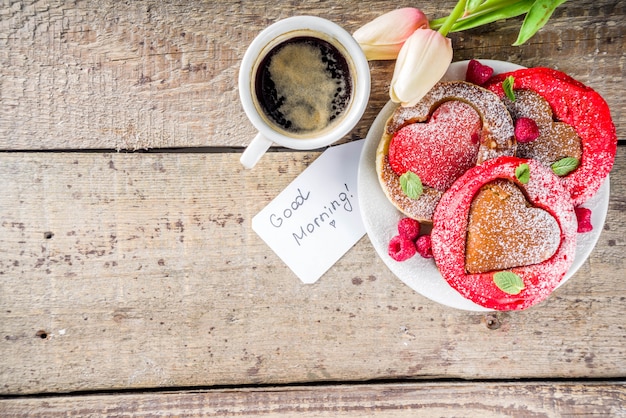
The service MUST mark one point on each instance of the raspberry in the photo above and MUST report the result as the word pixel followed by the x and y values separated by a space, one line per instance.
pixel 526 130
pixel 409 228
pixel 424 247
pixel 478 73
pixel 401 248
pixel 583 215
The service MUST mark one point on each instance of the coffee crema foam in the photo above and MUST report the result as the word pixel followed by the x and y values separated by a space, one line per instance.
pixel 303 85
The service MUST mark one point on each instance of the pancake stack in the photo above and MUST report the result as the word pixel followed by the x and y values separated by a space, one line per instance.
pixel 501 171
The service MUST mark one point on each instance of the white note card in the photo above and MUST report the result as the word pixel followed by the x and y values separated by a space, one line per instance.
pixel 316 219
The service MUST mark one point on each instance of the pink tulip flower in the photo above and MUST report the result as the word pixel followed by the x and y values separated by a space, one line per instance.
pixel 383 37
pixel 423 60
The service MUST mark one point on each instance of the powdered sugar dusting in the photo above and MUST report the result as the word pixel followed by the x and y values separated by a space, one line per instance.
pixel 497 137
pixel 441 150
pixel 505 231
pixel 556 140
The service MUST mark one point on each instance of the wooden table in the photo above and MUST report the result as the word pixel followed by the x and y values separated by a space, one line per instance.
pixel 131 281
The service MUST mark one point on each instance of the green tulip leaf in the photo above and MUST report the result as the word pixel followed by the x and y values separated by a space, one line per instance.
pixel 472 5
pixel 536 17
pixel 487 13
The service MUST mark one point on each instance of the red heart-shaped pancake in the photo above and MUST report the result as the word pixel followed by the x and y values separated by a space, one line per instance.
pixel 445 156
pixel 441 150
pixel 544 190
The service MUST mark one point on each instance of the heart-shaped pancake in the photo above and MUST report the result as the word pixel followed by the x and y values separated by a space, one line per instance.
pixel 585 111
pixel 506 231
pixel 440 159
pixel 439 150
pixel 536 276
pixel 556 139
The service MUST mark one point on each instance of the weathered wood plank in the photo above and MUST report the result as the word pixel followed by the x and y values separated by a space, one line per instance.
pixel 141 270
pixel 390 400
pixel 154 74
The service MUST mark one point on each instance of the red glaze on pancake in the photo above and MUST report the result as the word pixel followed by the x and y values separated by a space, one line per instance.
pixel 440 150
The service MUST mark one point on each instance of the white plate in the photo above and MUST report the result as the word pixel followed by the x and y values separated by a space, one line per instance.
pixel 381 217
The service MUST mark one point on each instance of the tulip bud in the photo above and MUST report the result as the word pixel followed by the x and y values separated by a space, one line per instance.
pixel 382 38
pixel 422 61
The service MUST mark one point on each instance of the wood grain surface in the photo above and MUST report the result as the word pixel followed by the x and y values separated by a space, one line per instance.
pixel 133 271
pixel 159 74
pixel 142 270
pixel 487 400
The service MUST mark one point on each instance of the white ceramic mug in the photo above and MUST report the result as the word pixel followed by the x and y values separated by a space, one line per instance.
pixel 270 132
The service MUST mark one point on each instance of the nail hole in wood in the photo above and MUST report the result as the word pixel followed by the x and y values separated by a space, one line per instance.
pixel 48 235
pixel 42 334
pixel 492 321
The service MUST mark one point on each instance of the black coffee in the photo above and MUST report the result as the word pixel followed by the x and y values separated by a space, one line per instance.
pixel 303 85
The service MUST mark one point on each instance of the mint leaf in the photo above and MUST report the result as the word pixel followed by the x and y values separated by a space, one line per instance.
pixel 522 172
pixel 565 166
pixel 411 185
pixel 509 282
pixel 507 86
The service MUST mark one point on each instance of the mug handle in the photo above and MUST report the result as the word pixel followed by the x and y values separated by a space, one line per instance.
pixel 255 150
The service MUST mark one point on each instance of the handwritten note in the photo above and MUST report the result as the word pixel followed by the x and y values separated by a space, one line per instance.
pixel 316 219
